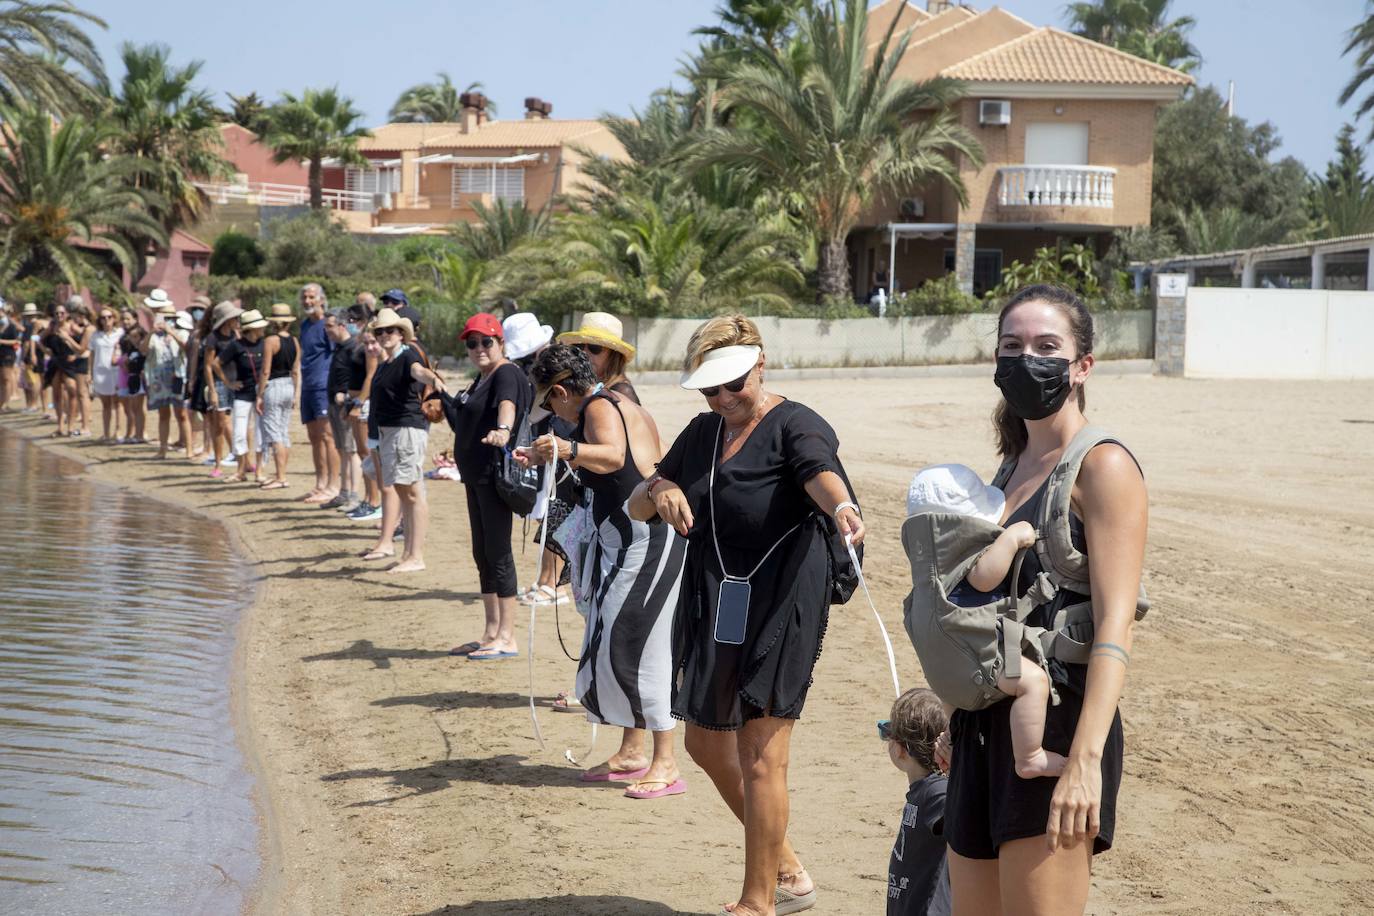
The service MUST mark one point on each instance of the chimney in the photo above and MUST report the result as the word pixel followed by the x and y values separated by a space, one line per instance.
pixel 474 110
pixel 936 7
pixel 537 109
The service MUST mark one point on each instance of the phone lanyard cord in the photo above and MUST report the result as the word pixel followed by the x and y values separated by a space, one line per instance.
pixel 711 498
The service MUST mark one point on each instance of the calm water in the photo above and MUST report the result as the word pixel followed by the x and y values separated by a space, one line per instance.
pixel 121 788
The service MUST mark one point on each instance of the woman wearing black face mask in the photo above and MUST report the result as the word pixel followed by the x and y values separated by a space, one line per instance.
pixel 1032 840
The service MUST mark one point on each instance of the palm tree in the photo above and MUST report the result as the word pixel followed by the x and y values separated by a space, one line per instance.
pixel 459 278
pixel 58 186
pixel 1361 41
pixel 499 229
pixel 764 22
pixel 38 42
pixel 657 258
pixel 1139 27
pixel 319 125
pixel 434 102
pixel 1225 229
pixel 249 111
pixel 164 121
pixel 835 128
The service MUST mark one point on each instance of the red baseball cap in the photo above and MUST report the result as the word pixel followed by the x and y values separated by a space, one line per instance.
pixel 482 323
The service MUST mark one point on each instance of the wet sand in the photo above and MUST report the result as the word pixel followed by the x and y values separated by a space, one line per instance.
pixel 400 780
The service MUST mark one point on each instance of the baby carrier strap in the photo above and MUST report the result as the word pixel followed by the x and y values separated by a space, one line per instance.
pixel 1065 565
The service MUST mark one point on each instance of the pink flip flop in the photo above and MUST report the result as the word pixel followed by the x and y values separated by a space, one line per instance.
pixel 676 787
pixel 614 775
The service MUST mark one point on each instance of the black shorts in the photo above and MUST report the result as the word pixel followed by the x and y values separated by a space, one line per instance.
pixel 988 804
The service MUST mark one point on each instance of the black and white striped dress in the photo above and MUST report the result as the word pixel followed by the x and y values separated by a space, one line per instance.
pixel 632 574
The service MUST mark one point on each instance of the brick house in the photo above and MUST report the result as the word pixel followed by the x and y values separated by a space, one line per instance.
pixel 1067 130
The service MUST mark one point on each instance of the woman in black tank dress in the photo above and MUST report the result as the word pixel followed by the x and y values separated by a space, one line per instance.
pixel 1026 845
pixel 630 576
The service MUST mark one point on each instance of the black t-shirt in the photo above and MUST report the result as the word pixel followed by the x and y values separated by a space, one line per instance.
pixel 341 367
pixel 473 414
pixel 9 337
pixel 246 359
pixel 394 399
pixel 221 344
pixel 760 491
pixel 357 367
pixel 917 874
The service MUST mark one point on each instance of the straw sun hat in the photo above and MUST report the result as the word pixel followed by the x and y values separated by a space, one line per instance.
pixel 252 319
pixel 600 328
pixel 387 318
pixel 281 313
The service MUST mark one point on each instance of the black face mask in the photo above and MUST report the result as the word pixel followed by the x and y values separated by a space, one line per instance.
pixel 1034 386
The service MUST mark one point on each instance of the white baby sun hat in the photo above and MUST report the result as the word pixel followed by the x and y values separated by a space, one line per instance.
pixel 955 489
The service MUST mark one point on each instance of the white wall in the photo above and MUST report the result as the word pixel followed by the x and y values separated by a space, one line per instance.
pixel 918 341
pixel 1278 333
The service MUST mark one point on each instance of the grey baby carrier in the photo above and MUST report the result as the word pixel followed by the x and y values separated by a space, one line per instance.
pixel 961 649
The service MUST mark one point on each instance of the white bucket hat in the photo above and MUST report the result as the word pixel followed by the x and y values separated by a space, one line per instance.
pixel 955 489
pixel 159 301
pixel 721 365
pixel 524 334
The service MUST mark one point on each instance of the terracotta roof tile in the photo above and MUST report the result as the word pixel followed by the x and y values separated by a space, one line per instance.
pixel 401 136
pixel 1048 55
pixel 522 133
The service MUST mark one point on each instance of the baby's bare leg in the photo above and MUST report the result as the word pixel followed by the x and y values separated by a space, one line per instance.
pixel 1032 696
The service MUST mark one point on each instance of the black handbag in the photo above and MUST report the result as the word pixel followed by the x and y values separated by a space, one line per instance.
pixel 517 486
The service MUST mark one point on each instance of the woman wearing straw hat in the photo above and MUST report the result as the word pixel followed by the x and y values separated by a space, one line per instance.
pixel 224 326
pixel 751 482
pixel 31 375
pixel 279 389
pixel 600 338
pixel 396 402
pixel 246 356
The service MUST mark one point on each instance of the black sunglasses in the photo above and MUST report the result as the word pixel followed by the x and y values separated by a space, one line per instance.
pixel 474 342
pixel 591 349
pixel 734 387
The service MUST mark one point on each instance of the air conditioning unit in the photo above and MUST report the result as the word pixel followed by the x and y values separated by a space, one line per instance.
pixel 994 112
pixel 912 208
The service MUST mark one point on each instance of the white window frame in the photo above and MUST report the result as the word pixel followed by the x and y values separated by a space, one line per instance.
pixel 501 183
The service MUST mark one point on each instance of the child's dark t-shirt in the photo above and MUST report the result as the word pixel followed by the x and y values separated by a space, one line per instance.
pixel 917 876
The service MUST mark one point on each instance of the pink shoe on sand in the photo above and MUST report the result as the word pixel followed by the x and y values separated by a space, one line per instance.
pixel 676 787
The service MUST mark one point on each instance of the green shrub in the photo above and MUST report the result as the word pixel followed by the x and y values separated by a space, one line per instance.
pixel 236 254
pixel 940 296
pixel 314 245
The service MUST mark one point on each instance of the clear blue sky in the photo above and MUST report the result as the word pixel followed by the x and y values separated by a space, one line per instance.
pixel 590 57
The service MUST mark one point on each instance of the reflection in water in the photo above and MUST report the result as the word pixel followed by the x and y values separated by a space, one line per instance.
pixel 121 789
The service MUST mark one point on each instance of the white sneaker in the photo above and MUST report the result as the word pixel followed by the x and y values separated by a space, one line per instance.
pixel 228 462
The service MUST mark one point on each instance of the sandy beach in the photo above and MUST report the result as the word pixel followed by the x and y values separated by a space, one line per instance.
pixel 395 779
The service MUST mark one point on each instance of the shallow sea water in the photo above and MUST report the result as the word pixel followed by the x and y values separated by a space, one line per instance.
pixel 121 787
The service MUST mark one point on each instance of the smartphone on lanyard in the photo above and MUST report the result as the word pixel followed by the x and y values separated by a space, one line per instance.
pixel 732 611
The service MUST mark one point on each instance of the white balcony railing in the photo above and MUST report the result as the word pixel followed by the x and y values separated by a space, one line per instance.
pixel 1056 186
pixel 267 194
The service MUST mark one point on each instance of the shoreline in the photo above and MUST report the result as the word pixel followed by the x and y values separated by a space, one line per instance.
pixel 266 894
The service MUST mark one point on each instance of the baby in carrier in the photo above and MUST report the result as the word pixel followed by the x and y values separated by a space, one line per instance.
pixel 983 657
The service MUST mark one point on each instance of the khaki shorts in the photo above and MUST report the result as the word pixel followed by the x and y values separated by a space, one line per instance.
pixel 342 427
pixel 403 454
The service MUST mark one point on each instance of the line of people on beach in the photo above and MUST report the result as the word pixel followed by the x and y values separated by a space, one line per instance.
pixel 705 563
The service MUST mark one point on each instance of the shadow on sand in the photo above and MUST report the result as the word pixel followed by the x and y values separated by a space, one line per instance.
pixel 503 770
pixel 567 905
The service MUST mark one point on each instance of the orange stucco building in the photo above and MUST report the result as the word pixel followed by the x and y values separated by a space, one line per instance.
pixel 1067 131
